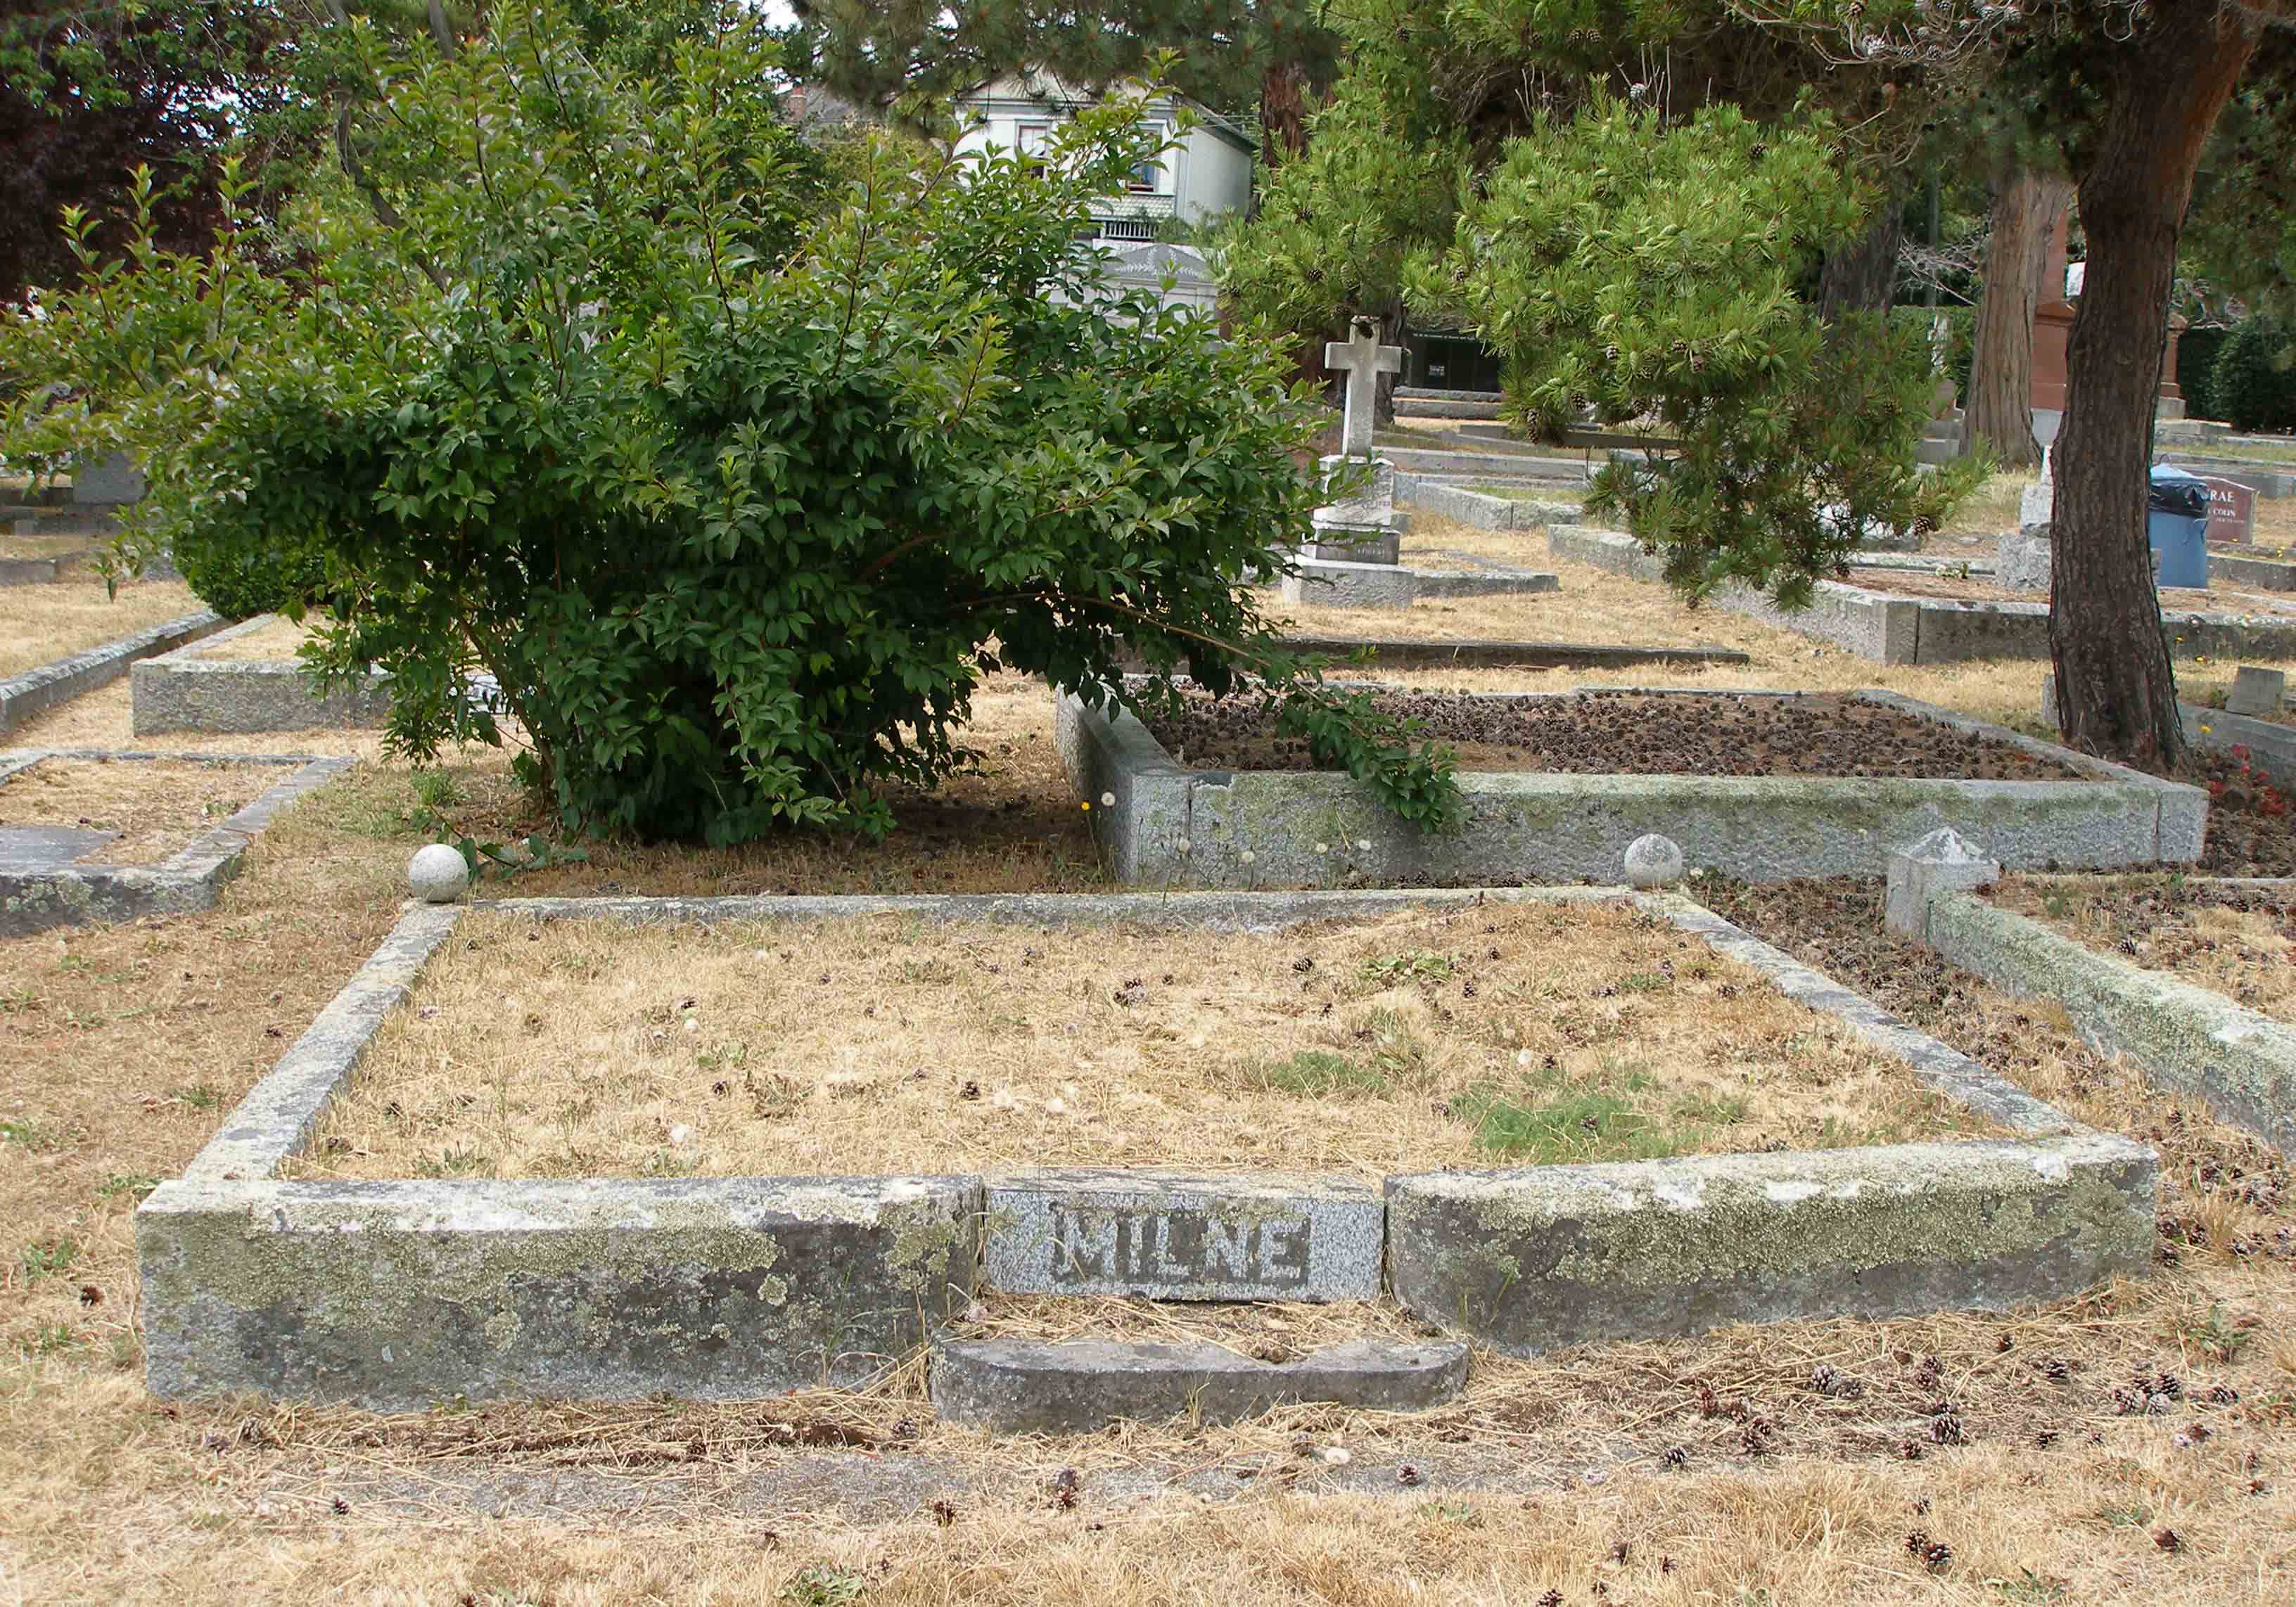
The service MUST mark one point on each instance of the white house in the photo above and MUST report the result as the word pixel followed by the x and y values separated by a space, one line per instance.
pixel 1203 174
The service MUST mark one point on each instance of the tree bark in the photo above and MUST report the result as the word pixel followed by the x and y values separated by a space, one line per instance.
pixel 2116 683
pixel 2026 207
pixel 1283 112
pixel 1862 277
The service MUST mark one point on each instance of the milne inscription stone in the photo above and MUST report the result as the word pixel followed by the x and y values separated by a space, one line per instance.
pixel 1186 1235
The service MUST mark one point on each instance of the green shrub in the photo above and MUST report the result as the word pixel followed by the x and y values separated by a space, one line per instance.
pixel 2254 379
pixel 2196 361
pixel 240 580
pixel 735 492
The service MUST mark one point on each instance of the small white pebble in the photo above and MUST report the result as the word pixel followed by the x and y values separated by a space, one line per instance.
pixel 1196 1041
pixel 1337 1455
pixel 1070 1090
pixel 693 1024
pixel 1182 845
pixel 1108 801
pixel 1247 857
pixel 679 1134
pixel 1056 1106
pixel 1363 845
pixel 1002 1100
pixel 1524 1057
pixel 1323 847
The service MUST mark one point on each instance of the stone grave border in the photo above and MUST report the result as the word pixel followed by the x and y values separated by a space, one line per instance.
pixel 1479 510
pixel 2253 569
pixel 186 881
pixel 1162 823
pixel 401 1293
pixel 40 571
pixel 1367 652
pixel 36 692
pixel 180 691
pixel 2240 1062
pixel 1887 628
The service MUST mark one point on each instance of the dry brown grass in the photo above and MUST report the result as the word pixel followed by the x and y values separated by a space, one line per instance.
pixel 278 638
pixel 1991 509
pixel 886 1044
pixel 2244 954
pixel 40 624
pixel 119 1047
pixel 157 806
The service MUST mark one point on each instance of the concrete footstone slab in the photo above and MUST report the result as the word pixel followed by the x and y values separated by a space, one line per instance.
pixel 1172 1235
pixel 1022 1387
pixel 1542 1258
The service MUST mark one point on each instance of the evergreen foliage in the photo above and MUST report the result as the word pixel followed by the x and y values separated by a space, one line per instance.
pixel 1647 271
pixel 2254 379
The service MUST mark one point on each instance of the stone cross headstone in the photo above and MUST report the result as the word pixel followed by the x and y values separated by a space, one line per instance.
pixel 1361 529
pixel 2232 512
pixel 1363 360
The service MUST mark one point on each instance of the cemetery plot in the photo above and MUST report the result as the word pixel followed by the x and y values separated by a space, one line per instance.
pixel 87 835
pixel 1357 1029
pixel 1533 1034
pixel 130 811
pixel 1632 734
pixel 47 623
pixel 2237 940
pixel 1764 786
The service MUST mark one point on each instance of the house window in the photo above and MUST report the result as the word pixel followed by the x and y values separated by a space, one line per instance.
pixel 1148 177
pixel 1034 140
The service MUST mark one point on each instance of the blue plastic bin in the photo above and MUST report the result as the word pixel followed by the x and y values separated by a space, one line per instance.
pixel 2177 523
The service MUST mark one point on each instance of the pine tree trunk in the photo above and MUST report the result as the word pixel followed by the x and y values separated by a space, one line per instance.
pixel 2116 685
pixel 1863 277
pixel 2026 207
pixel 1283 111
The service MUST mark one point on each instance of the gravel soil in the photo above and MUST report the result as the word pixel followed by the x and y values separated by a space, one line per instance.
pixel 1627 733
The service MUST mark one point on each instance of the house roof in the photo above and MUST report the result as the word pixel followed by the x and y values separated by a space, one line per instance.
pixel 1031 87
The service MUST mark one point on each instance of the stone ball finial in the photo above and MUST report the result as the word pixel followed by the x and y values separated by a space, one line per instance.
pixel 1654 861
pixel 437 874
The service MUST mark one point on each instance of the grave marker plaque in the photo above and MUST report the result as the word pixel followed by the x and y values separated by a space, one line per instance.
pixel 1185 1236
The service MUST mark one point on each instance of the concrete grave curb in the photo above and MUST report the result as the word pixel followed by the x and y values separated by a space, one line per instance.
pixel 400 1293
pixel 2187 1038
pixel 1479 511
pixel 1890 629
pixel 39 571
pixel 1028 1387
pixel 35 900
pixel 181 692
pixel 1183 827
pixel 1504 655
pixel 1542 1258
pixel 52 686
